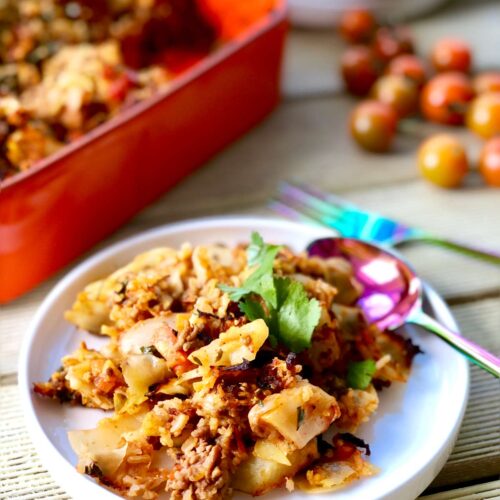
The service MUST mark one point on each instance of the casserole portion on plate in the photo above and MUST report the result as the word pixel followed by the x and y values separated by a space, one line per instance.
pixel 227 368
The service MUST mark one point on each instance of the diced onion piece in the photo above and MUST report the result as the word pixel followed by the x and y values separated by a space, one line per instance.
pixel 257 476
pixel 270 451
pixel 331 476
pixel 104 445
pixel 91 308
pixel 233 346
pixel 297 414
pixel 174 387
pixel 150 332
pixel 140 371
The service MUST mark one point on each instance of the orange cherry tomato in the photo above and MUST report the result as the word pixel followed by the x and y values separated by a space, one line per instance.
pixel 445 98
pixel 397 91
pixel 487 82
pixel 373 125
pixel 360 68
pixel 443 161
pixel 451 54
pixel 393 41
pixel 483 115
pixel 357 26
pixel 409 66
pixel 489 162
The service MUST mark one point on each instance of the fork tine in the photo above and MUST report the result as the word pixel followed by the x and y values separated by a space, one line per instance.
pixel 295 192
pixel 347 220
pixel 333 204
pixel 330 198
pixel 299 211
pixel 335 212
pixel 291 213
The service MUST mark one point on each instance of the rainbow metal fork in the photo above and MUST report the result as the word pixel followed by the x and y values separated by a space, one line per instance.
pixel 307 204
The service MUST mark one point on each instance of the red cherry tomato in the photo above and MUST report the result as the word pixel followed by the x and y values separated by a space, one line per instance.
pixel 442 160
pixel 487 82
pixel 489 162
pixel 360 68
pixel 451 54
pixel 409 66
pixel 445 98
pixel 373 125
pixel 390 42
pixel 483 115
pixel 397 91
pixel 357 26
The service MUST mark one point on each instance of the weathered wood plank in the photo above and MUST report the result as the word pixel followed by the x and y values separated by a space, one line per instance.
pixel 485 491
pixel 477 451
pixel 22 474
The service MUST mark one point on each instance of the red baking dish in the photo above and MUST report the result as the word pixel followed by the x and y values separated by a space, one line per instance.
pixel 65 204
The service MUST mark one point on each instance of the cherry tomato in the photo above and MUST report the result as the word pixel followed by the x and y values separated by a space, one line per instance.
pixel 487 82
pixel 483 116
pixel 397 91
pixel 409 66
pixel 373 125
pixel 489 162
pixel 360 69
pixel 445 98
pixel 451 54
pixel 357 26
pixel 390 42
pixel 442 160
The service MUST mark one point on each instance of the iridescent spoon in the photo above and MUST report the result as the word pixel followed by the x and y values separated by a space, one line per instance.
pixel 393 294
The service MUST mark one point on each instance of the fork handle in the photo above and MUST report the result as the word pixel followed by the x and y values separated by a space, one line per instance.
pixel 463 248
pixel 477 354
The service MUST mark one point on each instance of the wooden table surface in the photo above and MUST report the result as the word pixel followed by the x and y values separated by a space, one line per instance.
pixel 306 139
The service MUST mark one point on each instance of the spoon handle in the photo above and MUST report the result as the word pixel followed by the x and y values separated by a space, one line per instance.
pixel 478 355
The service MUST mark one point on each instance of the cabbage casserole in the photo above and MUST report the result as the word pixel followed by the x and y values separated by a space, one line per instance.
pixel 227 369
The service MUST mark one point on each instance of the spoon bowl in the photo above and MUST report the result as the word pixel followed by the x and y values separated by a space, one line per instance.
pixel 393 294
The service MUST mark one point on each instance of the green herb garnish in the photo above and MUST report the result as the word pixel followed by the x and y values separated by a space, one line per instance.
pixel 282 302
pixel 93 470
pixel 359 374
pixel 151 349
pixel 197 361
pixel 300 416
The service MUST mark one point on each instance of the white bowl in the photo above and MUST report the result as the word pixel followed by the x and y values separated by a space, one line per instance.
pixel 411 435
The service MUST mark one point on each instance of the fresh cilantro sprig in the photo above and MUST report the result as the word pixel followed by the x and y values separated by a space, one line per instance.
pixel 359 374
pixel 289 313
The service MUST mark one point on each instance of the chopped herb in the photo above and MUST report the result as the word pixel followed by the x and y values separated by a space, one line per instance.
pixel 152 388
pixel 356 441
pixel 300 416
pixel 197 361
pixel 359 374
pixel 289 313
pixel 121 292
pixel 206 314
pixel 151 349
pixel 93 470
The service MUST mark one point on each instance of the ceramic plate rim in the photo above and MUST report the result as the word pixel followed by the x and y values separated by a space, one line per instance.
pixel 58 465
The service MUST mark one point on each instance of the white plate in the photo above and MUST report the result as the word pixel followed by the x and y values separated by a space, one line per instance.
pixel 411 435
